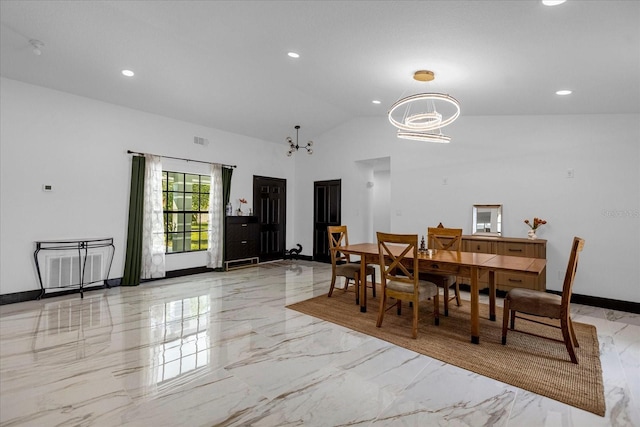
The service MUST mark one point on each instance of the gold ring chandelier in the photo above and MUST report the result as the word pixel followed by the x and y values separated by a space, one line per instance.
pixel 420 119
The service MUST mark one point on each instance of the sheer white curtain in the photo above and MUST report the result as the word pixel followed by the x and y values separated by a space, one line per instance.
pixel 153 264
pixel 215 218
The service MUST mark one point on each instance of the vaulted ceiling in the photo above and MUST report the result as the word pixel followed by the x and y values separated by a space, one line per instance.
pixel 224 64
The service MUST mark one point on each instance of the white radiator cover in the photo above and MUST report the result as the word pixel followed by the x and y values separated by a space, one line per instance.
pixel 64 270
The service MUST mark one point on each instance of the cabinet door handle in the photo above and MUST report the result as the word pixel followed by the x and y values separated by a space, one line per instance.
pixel 243 242
pixel 515 250
pixel 244 225
pixel 516 280
pixel 478 248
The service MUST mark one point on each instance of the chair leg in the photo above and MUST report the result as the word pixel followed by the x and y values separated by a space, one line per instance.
pixel 457 290
pixel 568 339
pixel 573 334
pixel 333 283
pixel 346 284
pixel 446 298
pixel 356 280
pixel 373 282
pixel 505 321
pixel 414 329
pixel 436 309
pixel 399 307
pixel 381 311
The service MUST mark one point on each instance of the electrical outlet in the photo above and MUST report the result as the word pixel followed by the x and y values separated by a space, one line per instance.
pixel 570 173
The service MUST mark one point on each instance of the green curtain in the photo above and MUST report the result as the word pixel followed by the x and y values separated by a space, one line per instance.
pixel 133 259
pixel 226 193
pixel 226 186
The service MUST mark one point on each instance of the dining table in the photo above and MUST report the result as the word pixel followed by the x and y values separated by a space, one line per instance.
pixel 465 264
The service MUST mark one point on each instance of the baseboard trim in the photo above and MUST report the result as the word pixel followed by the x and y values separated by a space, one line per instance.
pixel 299 257
pixel 611 304
pixel 18 297
pixel 33 295
pixel 189 271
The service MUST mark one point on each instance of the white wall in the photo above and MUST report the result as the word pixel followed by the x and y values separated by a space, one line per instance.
pixel 381 200
pixel 79 146
pixel 517 161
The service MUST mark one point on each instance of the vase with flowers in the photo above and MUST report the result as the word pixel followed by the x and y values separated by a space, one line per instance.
pixel 537 222
pixel 242 202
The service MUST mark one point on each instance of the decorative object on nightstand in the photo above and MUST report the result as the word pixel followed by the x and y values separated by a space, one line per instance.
pixel 242 202
pixel 537 222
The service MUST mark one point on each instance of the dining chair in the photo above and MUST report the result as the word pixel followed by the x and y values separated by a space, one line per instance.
pixel 341 264
pixel 448 239
pixel 400 276
pixel 542 304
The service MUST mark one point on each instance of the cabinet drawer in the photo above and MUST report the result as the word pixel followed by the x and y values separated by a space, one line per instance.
pixel 516 249
pixel 438 267
pixel 479 246
pixel 241 249
pixel 506 281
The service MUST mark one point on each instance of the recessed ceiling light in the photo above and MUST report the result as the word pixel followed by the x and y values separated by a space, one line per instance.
pixel 375 101
pixel 128 73
pixel 293 55
pixel 36 46
pixel 564 92
pixel 552 2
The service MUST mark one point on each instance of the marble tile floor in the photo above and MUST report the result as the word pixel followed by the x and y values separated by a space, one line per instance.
pixel 222 349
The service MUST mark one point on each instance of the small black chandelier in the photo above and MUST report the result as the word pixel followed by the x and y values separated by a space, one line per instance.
pixel 294 147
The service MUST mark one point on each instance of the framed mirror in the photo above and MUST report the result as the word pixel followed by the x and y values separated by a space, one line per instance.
pixel 487 220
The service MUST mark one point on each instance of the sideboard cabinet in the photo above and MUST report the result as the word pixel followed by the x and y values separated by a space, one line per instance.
pixel 508 246
pixel 242 234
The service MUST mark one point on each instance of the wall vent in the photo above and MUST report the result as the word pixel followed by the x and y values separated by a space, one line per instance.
pixel 200 141
pixel 63 271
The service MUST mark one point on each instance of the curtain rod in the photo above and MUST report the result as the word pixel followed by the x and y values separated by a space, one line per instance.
pixel 180 158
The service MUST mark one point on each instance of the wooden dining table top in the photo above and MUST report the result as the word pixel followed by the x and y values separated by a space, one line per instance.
pixel 467 259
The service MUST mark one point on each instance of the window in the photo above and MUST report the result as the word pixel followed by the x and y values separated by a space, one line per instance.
pixel 185 200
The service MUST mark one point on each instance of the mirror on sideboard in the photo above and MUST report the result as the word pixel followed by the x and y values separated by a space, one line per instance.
pixel 487 220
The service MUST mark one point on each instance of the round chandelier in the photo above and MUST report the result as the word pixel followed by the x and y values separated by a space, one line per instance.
pixel 417 116
pixel 295 147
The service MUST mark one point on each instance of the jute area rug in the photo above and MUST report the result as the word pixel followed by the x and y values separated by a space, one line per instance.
pixel 531 363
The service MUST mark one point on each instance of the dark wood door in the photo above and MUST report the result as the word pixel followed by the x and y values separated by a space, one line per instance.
pixel 270 204
pixel 326 211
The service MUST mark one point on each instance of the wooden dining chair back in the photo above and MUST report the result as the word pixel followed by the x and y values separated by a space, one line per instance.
pixel 446 239
pixel 341 264
pixel 399 268
pixel 542 304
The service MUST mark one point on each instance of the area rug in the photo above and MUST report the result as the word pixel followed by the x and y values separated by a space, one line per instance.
pixel 531 363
